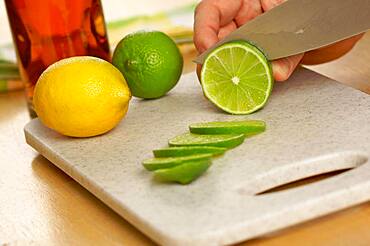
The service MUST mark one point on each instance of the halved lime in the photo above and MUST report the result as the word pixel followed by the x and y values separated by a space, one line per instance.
pixel 237 77
pixel 184 173
pixel 190 139
pixel 167 162
pixel 226 127
pixel 188 150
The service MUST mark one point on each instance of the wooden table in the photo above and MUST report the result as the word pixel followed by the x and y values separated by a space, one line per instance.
pixel 39 204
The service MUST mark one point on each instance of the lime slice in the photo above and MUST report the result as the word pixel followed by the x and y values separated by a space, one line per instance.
pixel 167 162
pixel 247 127
pixel 190 139
pixel 237 78
pixel 184 173
pixel 189 150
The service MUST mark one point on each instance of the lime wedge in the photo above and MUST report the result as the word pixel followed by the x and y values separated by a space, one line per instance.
pixel 184 173
pixel 190 139
pixel 189 150
pixel 247 127
pixel 237 78
pixel 167 162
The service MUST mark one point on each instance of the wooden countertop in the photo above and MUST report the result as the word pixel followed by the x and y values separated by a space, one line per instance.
pixel 39 204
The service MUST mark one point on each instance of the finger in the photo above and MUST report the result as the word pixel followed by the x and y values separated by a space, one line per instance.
pixel 228 9
pixel 249 10
pixel 210 16
pixel 198 70
pixel 269 4
pixel 226 30
pixel 284 67
pixel 206 26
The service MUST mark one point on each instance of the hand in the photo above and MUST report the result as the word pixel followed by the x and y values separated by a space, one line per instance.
pixel 214 19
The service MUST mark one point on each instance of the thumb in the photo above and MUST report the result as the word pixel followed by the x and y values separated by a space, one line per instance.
pixel 284 67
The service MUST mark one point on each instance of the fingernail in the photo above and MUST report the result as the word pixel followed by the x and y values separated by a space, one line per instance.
pixel 281 72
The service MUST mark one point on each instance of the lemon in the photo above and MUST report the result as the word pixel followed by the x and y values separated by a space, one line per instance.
pixel 81 96
pixel 150 61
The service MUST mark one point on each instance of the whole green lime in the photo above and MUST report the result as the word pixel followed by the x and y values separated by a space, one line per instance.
pixel 150 61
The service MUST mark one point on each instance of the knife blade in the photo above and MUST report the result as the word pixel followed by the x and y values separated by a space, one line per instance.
pixel 297 26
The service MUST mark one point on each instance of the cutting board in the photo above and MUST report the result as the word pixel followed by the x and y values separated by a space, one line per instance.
pixel 314 125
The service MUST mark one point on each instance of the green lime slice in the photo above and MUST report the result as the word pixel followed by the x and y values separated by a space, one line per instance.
pixel 190 139
pixel 184 173
pixel 189 150
pixel 237 78
pixel 167 162
pixel 247 127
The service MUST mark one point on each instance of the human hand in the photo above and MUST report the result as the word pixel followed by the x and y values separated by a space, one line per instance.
pixel 215 19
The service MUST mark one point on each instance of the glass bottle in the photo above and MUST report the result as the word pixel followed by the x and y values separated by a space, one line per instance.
pixel 45 31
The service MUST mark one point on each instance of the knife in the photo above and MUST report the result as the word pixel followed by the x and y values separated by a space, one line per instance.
pixel 297 26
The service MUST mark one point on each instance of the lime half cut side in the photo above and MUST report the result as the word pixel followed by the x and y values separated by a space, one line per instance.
pixel 237 77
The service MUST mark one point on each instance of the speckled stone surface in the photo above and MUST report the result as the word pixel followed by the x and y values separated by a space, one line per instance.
pixel 314 125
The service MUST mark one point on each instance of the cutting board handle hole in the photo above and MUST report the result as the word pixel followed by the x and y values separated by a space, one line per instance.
pixel 304 181
pixel 303 173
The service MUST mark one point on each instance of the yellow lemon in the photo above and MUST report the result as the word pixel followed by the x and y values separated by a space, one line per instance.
pixel 81 96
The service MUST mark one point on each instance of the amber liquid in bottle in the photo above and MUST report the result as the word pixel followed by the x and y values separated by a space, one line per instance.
pixel 45 31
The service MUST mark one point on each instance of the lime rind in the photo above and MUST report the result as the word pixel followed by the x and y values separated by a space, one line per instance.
pixel 229 75
pixel 184 173
pixel 228 127
pixel 225 140
pixel 150 61
pixel 189 154
pixel 168 162
pixel 188 150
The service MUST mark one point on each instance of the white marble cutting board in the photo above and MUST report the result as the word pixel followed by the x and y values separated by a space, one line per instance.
pixel 314 125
